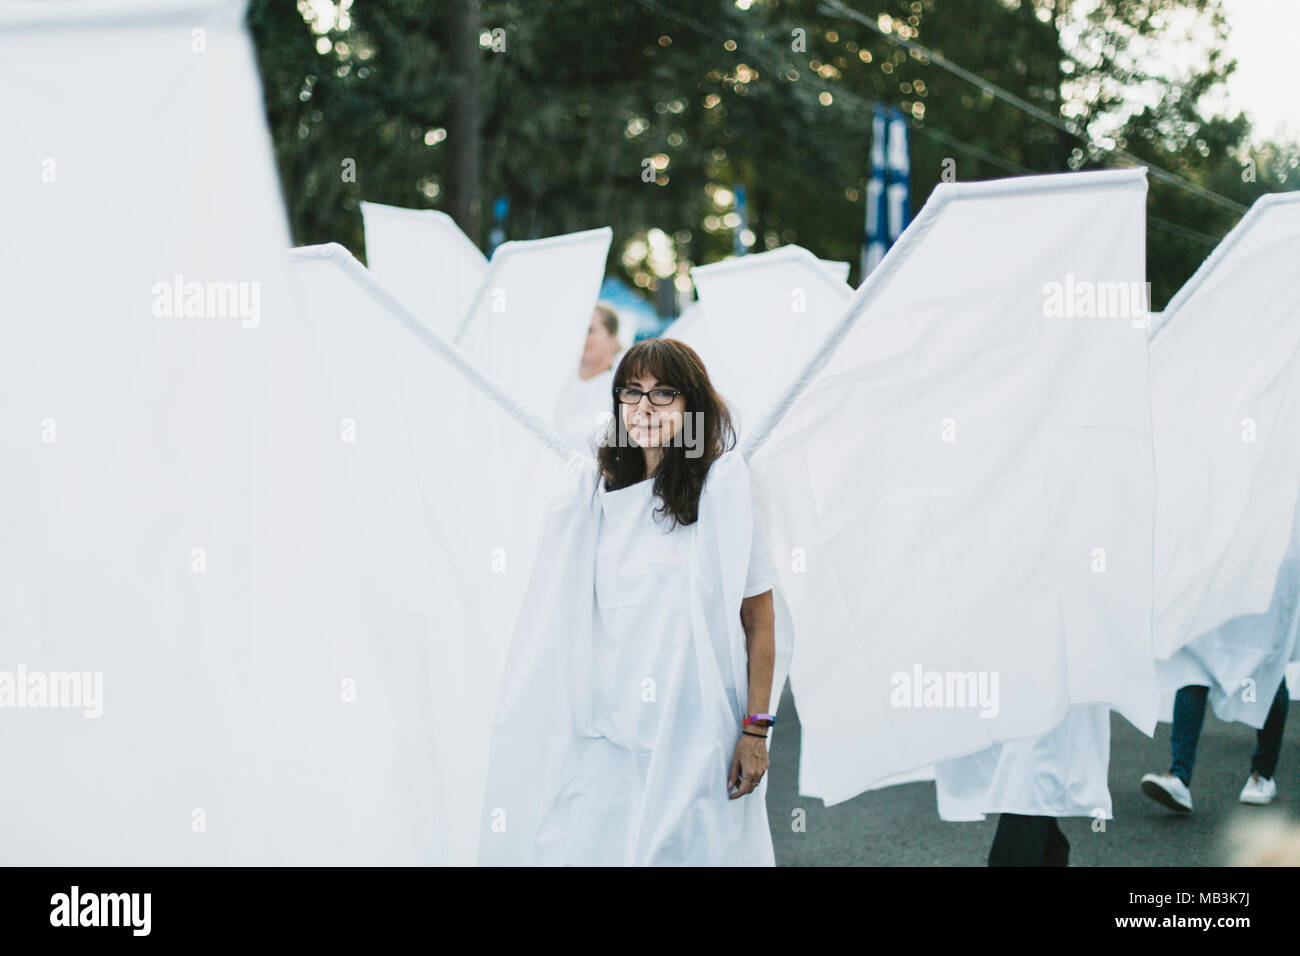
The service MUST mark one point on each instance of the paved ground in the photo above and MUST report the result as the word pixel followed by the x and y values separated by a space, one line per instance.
pixel 901 827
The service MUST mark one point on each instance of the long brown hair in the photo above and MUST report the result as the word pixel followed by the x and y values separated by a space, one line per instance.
pixel 679 479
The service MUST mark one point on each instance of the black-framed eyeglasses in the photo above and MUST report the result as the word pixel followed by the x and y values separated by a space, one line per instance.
pixel 658 396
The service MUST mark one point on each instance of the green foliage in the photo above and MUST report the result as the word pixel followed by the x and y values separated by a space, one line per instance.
pixel 585 92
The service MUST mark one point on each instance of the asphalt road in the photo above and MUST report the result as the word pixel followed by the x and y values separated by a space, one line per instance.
pixel 900 826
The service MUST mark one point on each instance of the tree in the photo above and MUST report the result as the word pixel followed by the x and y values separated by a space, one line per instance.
pixel 646 114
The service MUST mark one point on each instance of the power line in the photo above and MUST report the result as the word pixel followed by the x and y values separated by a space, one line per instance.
pixel 868 107
pixel 982 154
pixel 926 54
pixel 1009 166
pixel 1183 231
pixel 698 27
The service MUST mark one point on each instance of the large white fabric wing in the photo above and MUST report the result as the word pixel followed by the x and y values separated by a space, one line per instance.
pixel 432 468
pixel 426 261
pixel 959 487
pixel 266 549
pixel 757 311
pixel 142 289
pixel 1225 405
pixel 528 324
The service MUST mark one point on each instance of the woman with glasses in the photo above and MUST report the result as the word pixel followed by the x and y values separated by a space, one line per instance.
pixel 638 735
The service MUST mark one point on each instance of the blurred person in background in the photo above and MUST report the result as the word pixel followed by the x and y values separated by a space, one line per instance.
pixel 1173 789
pixel 582 410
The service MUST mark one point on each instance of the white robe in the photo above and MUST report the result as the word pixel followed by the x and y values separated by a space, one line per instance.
pixel 1063 773
pixel 626 685
pixel 1225 406
pixel 961 497
pixel 1244 660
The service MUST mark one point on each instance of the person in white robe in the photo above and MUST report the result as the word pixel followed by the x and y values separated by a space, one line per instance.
pixel 1225 411
pixel 633 719
pixel 975 561
pixel 1238 669
pixel 583 409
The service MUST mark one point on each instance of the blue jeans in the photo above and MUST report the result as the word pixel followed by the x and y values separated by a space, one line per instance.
pixel 1189 715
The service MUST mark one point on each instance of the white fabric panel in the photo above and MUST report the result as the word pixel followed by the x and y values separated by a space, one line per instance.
pixel 422 256
pixel 528 324
pixel 183 512
pixel 150 428
pixel 444 545
pixel 900 552
pixel 1225 405
pixel 680 328
pixel 1244 659
pixel 584 410
pixel 754 310
pixel 808 777
pixel 839 271
pixel 1063 773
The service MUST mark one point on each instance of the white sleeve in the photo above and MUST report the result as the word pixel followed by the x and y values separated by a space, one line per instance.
pixel 762 573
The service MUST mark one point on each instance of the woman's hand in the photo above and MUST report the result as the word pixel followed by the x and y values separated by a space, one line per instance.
pixel 748 764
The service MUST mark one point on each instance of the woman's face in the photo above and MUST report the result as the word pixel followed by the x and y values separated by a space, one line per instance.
pixel 601 347
pixel 650 426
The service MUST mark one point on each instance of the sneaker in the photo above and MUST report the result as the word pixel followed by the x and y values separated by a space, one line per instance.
pixel 1258 791
pixel 1168 791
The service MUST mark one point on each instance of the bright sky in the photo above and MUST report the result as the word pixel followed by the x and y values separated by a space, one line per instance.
pixel 1265 39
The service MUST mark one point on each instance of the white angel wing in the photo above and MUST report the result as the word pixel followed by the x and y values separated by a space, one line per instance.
pixel 427 262
pixel 1225 407
pixel 952 492
pixel 275 539
pixel 430 474
pixel 755 311
pixel 138 307
pixel 529 321
pixel 839 271
pixel 681 327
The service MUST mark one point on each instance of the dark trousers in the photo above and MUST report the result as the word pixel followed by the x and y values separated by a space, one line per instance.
pixel 1029 841
pixel 1189 716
